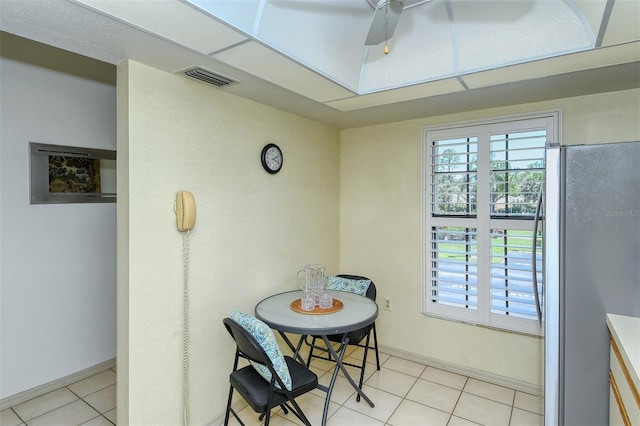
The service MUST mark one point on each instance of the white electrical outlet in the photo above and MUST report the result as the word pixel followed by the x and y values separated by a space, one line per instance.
pixel 387 304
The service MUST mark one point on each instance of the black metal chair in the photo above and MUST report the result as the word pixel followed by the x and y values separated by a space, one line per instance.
pixel 355 337
pixel 260 394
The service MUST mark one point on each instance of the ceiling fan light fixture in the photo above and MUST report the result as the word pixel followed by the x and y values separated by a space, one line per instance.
pixel 384 21
pixel 386 29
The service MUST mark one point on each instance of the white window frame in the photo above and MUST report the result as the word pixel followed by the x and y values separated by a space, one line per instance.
pixel 483 222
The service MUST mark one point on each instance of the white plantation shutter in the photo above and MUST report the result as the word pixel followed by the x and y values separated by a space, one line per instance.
pixel 517 172
pixel 511 272
pixel 454 258
pixel 454 176
pixel 482 185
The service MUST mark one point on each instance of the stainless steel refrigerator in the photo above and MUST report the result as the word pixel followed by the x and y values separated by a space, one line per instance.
pixel 592 267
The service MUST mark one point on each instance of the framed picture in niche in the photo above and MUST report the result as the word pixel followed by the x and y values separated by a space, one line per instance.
pixel 68 174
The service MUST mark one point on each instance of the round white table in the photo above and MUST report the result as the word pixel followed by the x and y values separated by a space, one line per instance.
pixel 357 312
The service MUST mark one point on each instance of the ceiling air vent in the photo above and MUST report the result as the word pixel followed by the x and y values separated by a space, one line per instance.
pixel 208 76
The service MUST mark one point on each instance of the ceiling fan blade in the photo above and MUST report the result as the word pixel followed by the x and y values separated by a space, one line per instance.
pixel 384 22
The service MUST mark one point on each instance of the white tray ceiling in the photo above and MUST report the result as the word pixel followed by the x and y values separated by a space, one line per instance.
pixel 309 56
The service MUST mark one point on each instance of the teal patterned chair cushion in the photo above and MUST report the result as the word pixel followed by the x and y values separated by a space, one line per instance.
pixel 263 334
pixel 358 287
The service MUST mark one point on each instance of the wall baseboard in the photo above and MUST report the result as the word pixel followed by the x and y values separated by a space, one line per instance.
pixel 21 397
pixel 495 379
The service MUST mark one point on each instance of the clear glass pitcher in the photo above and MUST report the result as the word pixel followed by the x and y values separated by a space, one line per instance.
pixel 311 279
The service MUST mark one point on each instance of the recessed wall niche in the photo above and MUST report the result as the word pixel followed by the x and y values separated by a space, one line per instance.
pixel 69 174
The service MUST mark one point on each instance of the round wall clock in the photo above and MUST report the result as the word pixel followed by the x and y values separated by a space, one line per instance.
pixel 271 158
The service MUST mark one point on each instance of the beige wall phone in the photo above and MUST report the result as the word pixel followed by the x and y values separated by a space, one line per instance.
pixel 185 209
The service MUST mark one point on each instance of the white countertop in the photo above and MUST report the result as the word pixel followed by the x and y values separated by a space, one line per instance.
pixel 626 333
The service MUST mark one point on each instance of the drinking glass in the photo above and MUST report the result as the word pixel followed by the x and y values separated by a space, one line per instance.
pixel 326 299
pixel 307 301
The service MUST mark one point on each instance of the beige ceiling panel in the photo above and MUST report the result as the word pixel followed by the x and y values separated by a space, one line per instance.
pixel 624 23
pixel 589 59
pixel 277 69
pixel 425 90
pixel 172 20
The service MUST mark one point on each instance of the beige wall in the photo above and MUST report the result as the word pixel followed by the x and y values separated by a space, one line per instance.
pixel 380 169
pixel 349 200
pixel 253 231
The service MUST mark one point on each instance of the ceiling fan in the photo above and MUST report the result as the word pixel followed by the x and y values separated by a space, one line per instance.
pixel 385 20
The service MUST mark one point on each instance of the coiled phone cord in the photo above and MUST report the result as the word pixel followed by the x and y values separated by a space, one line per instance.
pixel 185 335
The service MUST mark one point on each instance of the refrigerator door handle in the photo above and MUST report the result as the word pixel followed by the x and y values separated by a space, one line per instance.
pixel 534 260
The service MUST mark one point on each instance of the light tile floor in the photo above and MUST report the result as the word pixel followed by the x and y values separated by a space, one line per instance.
pixel 87 402
pixel 404 392
pixel 408 393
